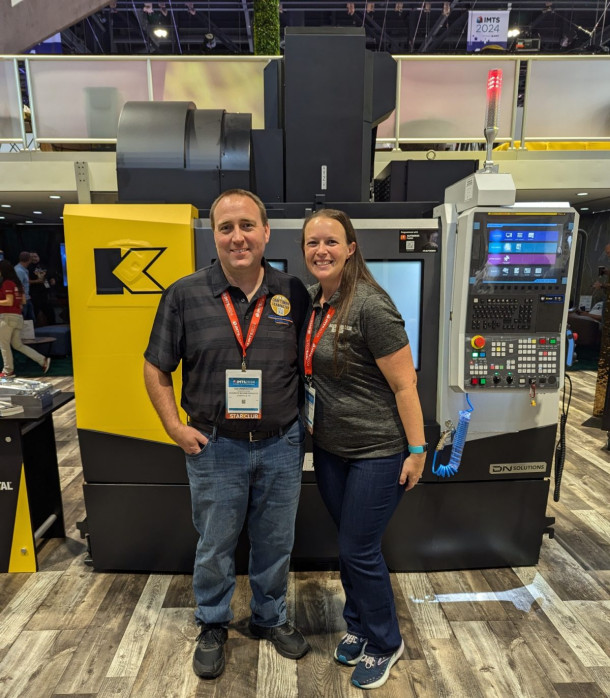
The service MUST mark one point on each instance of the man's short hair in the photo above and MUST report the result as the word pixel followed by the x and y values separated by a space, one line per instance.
pixel 24 257
pixel 239 192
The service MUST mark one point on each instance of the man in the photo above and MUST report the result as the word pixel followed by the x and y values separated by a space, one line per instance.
pixel 21 269
pixel 235 327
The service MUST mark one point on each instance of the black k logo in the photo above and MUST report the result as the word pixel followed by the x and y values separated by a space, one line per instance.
pixel 116 272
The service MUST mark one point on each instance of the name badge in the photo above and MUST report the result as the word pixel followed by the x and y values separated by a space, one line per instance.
pixel 244 394
pixel 310 406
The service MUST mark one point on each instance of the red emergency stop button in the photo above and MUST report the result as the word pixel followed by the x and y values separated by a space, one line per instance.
pixel 478 342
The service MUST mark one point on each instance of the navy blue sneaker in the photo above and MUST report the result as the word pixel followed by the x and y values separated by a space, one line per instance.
pixel 373 670
pixel 350 649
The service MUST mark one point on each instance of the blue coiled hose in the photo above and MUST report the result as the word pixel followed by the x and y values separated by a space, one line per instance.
pixel 459 440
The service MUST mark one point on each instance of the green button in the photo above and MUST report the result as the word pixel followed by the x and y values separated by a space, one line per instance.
pixel 483 381
pixel 553 341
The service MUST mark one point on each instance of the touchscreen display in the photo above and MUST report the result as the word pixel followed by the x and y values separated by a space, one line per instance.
pixel 521 248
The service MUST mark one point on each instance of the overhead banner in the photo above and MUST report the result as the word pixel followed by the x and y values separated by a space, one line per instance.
pixel 486 28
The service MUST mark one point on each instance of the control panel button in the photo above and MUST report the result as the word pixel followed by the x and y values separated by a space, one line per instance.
pixel 477 342
pixel 474 381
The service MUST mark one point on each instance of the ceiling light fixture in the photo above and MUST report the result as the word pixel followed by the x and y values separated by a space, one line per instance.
pixel 160 32
pixel 513 32
pixel 583 193
pixel 54 196
pixel 584 208
pixel 38 213
pixel 5 205
pixel 29 221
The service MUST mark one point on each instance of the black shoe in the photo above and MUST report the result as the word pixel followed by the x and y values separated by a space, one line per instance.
pixel 286 639
pixel 209 656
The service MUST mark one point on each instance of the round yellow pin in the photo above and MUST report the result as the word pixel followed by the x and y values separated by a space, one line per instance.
pixel 280 305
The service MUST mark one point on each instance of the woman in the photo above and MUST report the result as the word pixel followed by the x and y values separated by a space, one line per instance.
pixel 367 428
pixel 11 321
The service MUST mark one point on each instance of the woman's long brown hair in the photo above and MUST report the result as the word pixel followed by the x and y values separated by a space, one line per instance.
pixel 355 270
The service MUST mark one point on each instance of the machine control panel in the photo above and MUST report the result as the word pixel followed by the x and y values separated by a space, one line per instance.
pixel 510 306
pixel 512 361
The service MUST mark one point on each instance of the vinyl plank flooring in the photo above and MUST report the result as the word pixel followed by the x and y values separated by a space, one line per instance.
pixel 320 607
pixel 550 649
pixel 127 660
pixel 466 596
pixel 180 592
pixel 594 616
pixel 164 669
pixel 580 641
pixel 10 584
pixel 581 542
pixel 501 660
pixel 35 662
pixel 16 614
pixel 425 608
pixel 73 601
pixel 453 676
pixel 579 690
pixel 509 590
pixel 543 631
pixel 93 656
pixel 566 576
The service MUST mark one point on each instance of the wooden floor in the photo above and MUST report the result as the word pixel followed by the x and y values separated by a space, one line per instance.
pixel 536 631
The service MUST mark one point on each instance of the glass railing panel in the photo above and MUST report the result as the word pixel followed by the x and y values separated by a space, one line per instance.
pixel 445 99
pixel 568 99
pixel 235 85
pixel 10 102
pixel 83 98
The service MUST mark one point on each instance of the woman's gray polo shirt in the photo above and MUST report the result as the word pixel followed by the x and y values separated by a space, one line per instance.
pixel 356 414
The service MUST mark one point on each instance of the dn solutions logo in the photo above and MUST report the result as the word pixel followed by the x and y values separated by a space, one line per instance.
pixel 116 272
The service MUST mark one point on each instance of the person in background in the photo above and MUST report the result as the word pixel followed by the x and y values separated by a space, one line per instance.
pixel 234 326
pixel 40 286
pixel 11 322
pixel 368 433
pixel 21 269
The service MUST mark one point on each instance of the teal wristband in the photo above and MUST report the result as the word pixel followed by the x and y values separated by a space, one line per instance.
pixel 418 449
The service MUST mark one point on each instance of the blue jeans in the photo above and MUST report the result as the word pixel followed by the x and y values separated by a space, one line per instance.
pixel 233 481
pixel 361 496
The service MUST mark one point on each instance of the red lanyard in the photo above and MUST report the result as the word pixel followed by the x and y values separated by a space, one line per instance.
pixel 310 346
pixel 256 318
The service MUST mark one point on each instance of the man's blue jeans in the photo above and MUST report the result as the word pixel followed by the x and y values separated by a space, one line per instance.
pixel 361 496
pixel 233 481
